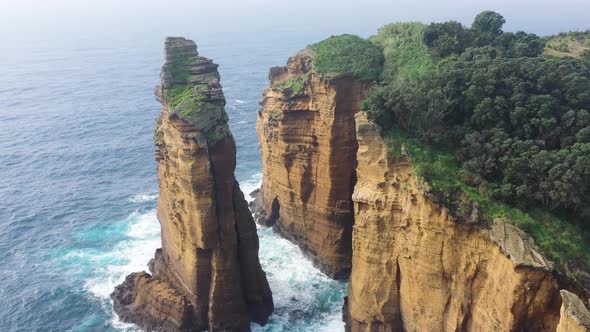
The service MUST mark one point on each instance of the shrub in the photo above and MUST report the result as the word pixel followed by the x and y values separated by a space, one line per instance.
pixel 292 87
pixel 347 55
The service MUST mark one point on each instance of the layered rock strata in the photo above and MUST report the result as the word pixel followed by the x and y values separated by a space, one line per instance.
pixel 415 268
pixel 207 275
pixel 308 146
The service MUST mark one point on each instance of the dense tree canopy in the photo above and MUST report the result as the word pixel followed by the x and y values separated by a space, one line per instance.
pixel 518 122
pixel 452 37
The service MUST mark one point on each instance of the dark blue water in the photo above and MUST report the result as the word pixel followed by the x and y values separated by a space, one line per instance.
pixel 78 185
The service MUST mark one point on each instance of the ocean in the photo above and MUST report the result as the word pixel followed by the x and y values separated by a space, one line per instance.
pixel 78 184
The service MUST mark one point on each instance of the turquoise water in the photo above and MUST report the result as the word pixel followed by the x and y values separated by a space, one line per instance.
pixel 78 187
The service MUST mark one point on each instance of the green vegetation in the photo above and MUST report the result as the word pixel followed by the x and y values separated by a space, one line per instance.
pixel 214 137
pixel 574 44
pixel 347 55
pixel 275 115
pixel 158 136
pixel 404 52
pixel 178 68
pixel 292 87
pixel 562 242
pixel 188 100
pixel 451 38
pixel 515 125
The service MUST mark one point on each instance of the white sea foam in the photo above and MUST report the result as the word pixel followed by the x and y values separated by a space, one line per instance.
pixel 297 286
pixel 132 254
pixel 145 197
pixel 239 101
pixel 250 185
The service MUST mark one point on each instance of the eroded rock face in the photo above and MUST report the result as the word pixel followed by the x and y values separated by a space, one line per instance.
pixel 574 314
pixel 414 268
pixel 308 146
pixel 207 275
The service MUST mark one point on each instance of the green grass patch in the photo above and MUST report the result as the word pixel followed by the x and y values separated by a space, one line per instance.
pixel 292 87
pixel 188 100
pixel 178 68
pixel 563 242
pixel 347 55
pixel 406 54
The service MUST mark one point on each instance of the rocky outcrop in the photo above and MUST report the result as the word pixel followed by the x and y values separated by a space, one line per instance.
pixel 207 275
pixel 415 268
pixel 308 146
pixel 574 315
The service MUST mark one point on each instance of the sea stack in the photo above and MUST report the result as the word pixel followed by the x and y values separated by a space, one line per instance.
pixel 207 275
pixel 308 146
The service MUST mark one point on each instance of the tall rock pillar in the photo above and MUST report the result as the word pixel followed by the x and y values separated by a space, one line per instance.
pixel 207 275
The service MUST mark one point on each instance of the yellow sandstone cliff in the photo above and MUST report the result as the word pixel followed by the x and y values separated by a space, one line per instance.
pixel 414 268
pixel 308 147
pixel 207 275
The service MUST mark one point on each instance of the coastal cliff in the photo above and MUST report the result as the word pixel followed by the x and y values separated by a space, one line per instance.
pixel 416 263
pixel 416 268
pixel 207 275
pixel 308 147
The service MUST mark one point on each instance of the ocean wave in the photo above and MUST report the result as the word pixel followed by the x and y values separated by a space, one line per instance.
pixel 144 197
pixel 305 299
pixel 104 268
pixel 143 232
pixel 251 184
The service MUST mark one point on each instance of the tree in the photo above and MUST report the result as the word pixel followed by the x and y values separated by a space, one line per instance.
pixel 448 37
pixel 488 22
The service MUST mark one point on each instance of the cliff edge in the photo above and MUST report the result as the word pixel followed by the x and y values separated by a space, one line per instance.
pixel 207 275
pixel 332 185
pixel 306 135
pixel 416 268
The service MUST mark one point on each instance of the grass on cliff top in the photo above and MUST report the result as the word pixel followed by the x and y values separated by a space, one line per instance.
pixel 347 55
pixel 188 100
pixel 404 51
pixel 561 241
pixel 292 87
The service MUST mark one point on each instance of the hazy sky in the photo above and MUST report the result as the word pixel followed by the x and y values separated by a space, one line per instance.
pixel 34 20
